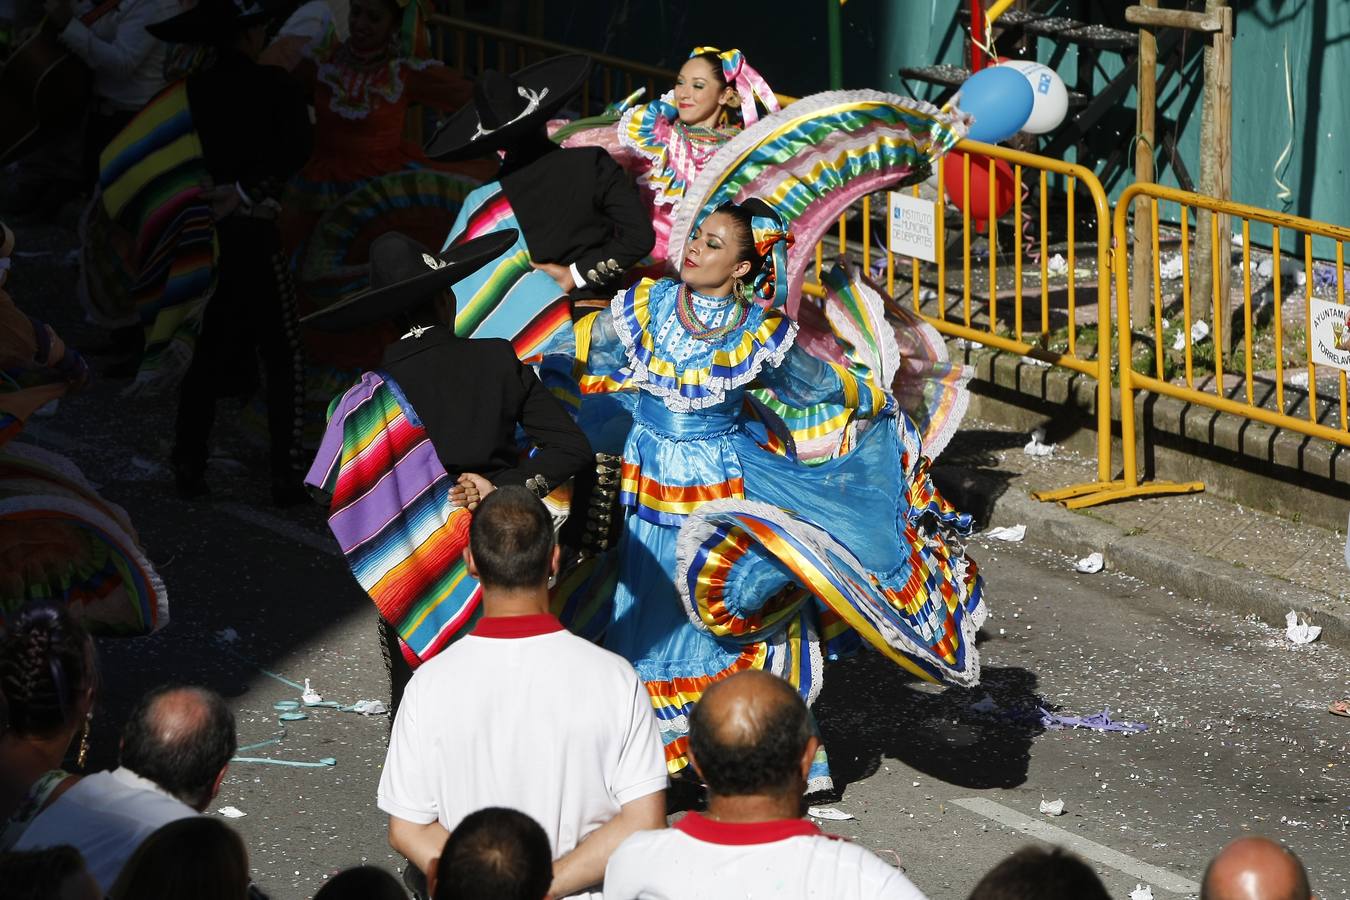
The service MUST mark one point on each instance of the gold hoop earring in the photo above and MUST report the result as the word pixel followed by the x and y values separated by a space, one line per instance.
pixel 83 754
pixel 738 289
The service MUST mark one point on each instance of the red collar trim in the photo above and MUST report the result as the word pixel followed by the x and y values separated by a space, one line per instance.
pixel 517 626
pixel 738 834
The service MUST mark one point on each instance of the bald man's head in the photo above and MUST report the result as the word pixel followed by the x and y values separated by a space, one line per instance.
pixel 1255 868
pixel 181 738
pixel 747 735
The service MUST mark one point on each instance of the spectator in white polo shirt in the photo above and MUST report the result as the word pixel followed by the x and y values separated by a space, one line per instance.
pixel 520 713
pixel 750 740
pixel 176 747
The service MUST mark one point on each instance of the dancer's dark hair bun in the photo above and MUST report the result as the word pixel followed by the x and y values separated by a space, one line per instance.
pixel 744 214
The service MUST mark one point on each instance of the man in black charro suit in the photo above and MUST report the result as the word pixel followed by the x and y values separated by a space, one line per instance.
pixel 469 394
pixel 582 217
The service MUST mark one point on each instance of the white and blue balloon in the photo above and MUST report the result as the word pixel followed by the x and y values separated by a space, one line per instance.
pixel 1013 96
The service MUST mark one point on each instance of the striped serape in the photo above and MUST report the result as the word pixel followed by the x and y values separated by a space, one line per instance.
pixel 152 178
pixel 392 517
pixel 508 298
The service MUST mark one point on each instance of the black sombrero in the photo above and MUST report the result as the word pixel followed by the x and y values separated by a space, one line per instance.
pixel 209 21
pixel 506 107
pixel 404 275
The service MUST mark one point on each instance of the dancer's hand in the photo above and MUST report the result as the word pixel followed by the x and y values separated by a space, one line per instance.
pixel 560 274
pixel 224 199
pixel 469 490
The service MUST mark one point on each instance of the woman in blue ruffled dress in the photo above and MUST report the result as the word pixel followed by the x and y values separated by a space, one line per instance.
pixel 733 554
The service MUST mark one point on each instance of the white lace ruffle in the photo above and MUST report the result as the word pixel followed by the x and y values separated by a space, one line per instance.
pixel 625 139
pixel 717 387
pixel 358 106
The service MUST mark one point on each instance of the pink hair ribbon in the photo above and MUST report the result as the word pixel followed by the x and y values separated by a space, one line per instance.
pixel 748 83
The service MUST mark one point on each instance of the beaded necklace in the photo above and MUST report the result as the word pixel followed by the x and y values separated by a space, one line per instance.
pixel 699 134
pixel 695 327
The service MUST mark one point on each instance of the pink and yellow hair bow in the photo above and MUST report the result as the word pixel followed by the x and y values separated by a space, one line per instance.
pixel 748 83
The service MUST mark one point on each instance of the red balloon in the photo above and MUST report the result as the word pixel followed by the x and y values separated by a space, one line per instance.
pixel 1005 185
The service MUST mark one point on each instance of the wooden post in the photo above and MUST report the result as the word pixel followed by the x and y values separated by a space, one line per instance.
pixel 1216 142
pixel 1216 170
pixel 1141 283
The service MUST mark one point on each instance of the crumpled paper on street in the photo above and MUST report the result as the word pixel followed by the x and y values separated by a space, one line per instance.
pixel 1037 445
pixel 1141 892
pixel 1090 564
pixel 1052 807
pixel 231 812
pixel 1012 534
pixel 310 696
pixel 828 812
pixel 1297 629
pixel 369 708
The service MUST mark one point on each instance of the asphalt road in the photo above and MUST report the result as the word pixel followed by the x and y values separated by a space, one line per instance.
pixel 944 782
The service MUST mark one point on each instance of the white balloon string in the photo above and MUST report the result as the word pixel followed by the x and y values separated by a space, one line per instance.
pixel 1285 194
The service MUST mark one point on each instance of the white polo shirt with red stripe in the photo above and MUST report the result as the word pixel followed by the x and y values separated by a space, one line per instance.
pixel 521 713
pixel 785 859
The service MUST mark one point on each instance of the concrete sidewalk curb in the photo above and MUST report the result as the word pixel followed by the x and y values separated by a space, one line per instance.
pixel 1152 559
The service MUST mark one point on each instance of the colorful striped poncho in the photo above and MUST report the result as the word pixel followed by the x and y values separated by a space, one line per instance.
pixel 509 298
pixel 392 517
pixel 154 249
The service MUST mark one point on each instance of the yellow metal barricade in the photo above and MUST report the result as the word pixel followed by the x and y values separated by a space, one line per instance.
pixel 995 317
pixel 1193 365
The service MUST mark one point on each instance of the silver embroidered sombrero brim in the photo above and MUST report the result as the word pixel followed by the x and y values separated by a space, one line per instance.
pixel 519 104
pixel 404 275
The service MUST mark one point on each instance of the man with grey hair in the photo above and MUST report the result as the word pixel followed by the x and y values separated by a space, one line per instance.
pixel 176 747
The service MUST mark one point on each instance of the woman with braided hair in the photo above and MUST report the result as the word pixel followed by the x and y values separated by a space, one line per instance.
pixel 49 678
pixel 734 554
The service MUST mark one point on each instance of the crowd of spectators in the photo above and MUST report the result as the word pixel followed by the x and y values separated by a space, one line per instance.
pixel 492 792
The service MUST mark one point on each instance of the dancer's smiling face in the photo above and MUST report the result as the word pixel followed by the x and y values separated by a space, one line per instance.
pixel 714 257
pixel 700 92
pixel 372 24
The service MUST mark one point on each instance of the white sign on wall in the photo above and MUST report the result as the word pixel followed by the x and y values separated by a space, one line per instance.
pixel 1330 334
pixel 913 226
